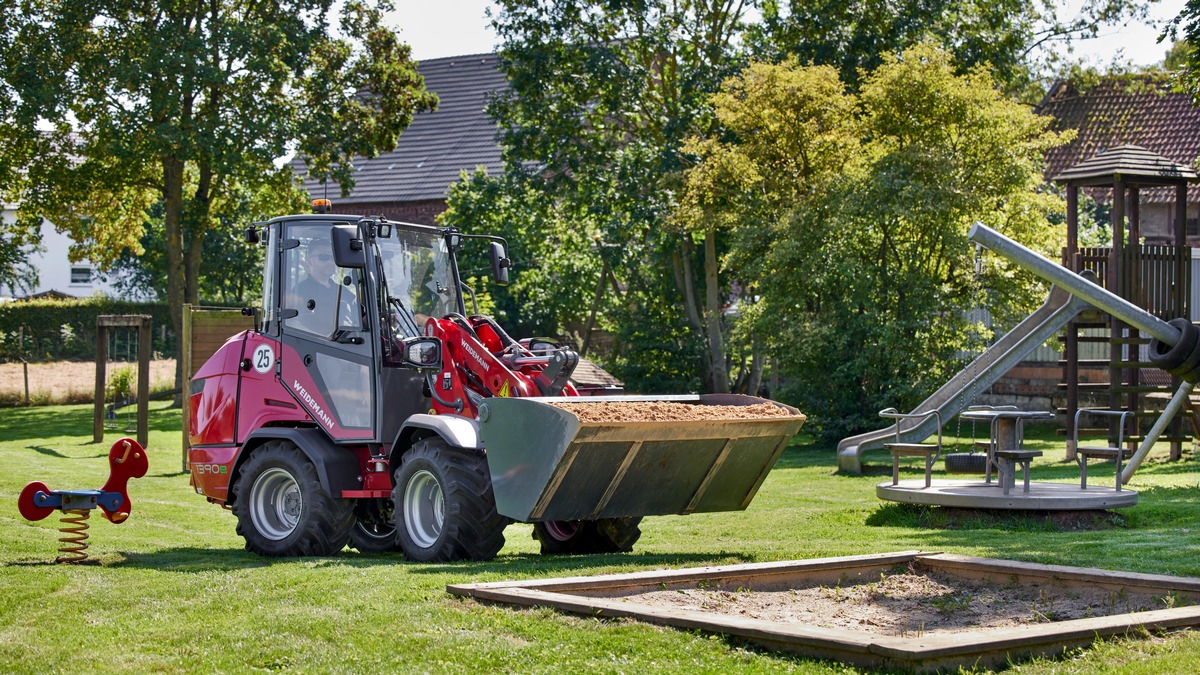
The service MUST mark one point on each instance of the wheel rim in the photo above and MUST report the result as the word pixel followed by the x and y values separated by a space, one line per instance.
pixel 424 508
pixel 276 504
pixel 561 530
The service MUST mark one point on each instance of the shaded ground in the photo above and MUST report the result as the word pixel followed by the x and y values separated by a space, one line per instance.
pixel 952 518
pixel 905 601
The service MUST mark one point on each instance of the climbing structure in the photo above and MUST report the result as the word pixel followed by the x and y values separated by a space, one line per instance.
pixel 1154 277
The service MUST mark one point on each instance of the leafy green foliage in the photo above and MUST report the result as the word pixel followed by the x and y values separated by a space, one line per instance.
pixel 552 270
pixel 52 330
pixel 857 36
pixel 120 384
pixel 865 201
pixel 1185 28
pixel 113 107
pixel 602 97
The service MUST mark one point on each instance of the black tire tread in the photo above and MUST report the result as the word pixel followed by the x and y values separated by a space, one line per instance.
pixel 326 529
pixel 473 529
pixel 966 462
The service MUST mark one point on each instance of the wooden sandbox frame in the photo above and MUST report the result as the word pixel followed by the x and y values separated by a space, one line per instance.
pixel 925 652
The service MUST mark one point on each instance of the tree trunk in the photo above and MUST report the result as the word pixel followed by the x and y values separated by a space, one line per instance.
pixel 686 283
pixel 757 361
pixel 718 371
pixel 173 178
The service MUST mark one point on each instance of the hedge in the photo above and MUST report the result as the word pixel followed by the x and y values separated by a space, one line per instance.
pixel 56 330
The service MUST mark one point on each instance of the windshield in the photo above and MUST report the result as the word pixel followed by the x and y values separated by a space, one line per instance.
pixel 420 281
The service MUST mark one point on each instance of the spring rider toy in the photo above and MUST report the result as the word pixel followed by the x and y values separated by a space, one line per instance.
pixel 126 460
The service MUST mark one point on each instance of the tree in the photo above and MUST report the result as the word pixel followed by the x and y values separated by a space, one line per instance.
pixel 602 96
pixel 183 103
pixel 850 221
pixel 1185 29
pixel 856 36
pixel 230 268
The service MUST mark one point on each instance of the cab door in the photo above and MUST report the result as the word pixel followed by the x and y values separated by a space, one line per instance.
pixel 328 360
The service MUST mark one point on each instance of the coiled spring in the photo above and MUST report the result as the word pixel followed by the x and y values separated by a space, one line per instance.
pixel 74 539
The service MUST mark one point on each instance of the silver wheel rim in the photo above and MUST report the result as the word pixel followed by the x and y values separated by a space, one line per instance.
pixel 275 504
pixel 561 530
pixel 424 508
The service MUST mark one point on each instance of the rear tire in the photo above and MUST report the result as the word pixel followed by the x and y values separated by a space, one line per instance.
pixel 574 537
pixel 444 506
pixel 281 508
pixel 374 531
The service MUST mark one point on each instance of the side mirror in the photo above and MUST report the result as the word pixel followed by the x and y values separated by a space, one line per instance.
pixel 348 247
pixel 422 353
pixel 500 264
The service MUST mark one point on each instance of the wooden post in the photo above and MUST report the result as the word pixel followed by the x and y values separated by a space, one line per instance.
pixel 1181 214
pixel 187 371
pixel 24 361
pixel 1071 355
pixel 143 395
pixel 101 380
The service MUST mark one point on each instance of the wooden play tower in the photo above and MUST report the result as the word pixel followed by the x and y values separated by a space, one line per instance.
pixel 1155 277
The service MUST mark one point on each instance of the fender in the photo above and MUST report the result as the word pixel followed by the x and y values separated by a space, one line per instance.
pixel 461 432
pixel 337 467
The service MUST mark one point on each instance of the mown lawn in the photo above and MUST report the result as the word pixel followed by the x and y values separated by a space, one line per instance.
pixel 172 589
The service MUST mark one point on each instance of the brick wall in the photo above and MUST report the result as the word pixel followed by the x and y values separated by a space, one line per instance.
pixel 421 213
pixel 1034 386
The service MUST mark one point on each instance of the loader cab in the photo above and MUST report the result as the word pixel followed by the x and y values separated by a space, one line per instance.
pixel 340 293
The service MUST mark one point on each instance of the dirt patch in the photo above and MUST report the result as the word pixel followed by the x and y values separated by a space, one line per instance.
pixel 667 411
pixel 69 381
pixel 907 600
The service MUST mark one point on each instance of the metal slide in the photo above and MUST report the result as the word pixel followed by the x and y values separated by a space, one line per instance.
pixel 954 396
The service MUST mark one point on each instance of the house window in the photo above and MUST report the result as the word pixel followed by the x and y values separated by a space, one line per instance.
pixel 81 275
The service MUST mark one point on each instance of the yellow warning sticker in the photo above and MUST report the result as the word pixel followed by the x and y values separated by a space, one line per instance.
pixel 504 391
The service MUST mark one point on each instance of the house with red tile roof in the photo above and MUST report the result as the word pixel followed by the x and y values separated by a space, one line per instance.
pixel 411 182
pixel 1138 110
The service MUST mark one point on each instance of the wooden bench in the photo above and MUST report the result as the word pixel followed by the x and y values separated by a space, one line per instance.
pixel 1007 462
pixel 899 450
pixel 1116 454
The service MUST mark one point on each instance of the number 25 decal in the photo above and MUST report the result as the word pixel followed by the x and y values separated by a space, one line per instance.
pixel 264 358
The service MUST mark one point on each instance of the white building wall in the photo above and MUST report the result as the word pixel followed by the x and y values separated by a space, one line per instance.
pixel 55 270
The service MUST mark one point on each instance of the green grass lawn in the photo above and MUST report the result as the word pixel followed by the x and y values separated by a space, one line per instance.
pixel 173 590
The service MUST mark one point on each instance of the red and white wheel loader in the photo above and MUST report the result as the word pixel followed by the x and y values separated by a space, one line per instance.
pixel 367 408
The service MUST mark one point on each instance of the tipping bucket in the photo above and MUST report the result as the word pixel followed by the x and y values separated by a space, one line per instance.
pixel 548 464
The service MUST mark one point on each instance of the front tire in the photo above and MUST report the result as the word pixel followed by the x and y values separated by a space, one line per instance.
pixel 444 506
pixel 575 537
pixel 281 508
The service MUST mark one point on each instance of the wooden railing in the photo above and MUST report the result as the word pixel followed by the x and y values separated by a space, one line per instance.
pixel 1155 278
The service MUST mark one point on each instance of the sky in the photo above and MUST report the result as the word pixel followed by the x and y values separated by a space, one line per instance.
pixel 437 28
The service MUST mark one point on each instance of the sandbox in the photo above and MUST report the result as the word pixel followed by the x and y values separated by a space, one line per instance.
pixel 912 609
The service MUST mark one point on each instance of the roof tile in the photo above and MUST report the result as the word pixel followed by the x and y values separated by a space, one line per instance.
pixel 437 145
pixel 1140 111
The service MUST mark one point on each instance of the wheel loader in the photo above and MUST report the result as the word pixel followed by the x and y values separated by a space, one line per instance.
pixel 368 408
